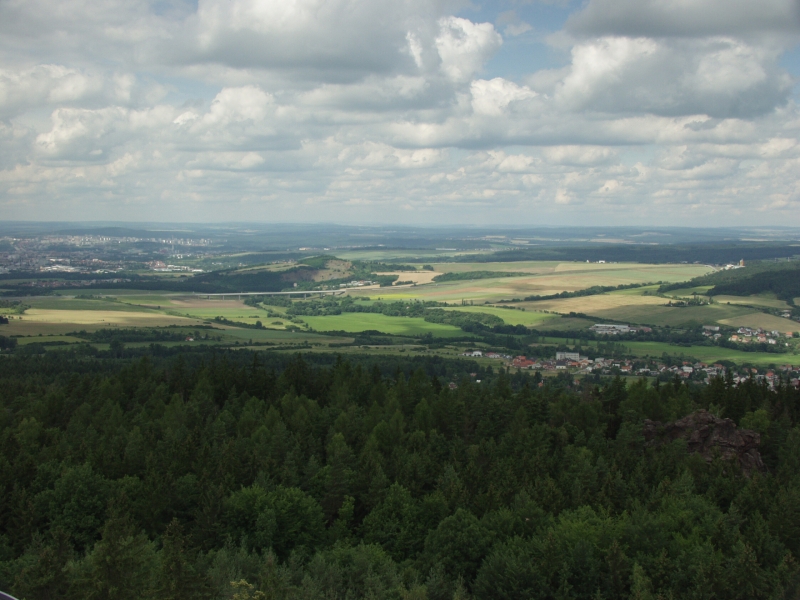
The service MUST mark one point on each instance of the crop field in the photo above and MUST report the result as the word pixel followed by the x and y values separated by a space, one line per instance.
pixel 596 305
pixel 358 322
pixel 633 307
pixel 41 321
pixel 545 279
pixel 79 304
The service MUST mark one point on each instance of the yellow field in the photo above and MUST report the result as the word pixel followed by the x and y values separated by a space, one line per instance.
pixel 545 279
pixel 40 321
pixel 105 317
pixel 593 305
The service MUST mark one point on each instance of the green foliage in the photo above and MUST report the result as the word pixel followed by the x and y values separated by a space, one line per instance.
pixel 309 477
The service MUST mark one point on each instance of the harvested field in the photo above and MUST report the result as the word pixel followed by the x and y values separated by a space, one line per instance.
pixel 46 322
pixel 551 278
pixel 592 305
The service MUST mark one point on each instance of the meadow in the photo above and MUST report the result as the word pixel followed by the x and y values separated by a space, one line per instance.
pixel 711 354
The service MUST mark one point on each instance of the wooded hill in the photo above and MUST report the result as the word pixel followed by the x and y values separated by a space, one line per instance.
pixel 781 279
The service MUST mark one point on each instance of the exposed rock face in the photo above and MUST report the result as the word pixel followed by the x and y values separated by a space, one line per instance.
pixel 710 436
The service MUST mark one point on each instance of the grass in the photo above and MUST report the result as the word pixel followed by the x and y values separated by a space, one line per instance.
pixel 765 300
pixel 511 317
pixel 710 354
pixel 358 322
pixel 51 338
pixel 689 291
pixel 764 321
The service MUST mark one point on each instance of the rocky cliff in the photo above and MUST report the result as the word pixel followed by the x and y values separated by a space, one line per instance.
pixel 710 436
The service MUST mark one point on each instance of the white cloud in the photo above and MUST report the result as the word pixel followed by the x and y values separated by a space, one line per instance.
pixel 721 77
pixel 377 110
pixel 493 97
pixel 465 46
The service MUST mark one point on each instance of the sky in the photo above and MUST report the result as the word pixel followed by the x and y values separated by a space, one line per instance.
pixel 415 112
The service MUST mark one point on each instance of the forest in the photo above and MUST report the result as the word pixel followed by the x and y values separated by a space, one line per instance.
pixel 235 474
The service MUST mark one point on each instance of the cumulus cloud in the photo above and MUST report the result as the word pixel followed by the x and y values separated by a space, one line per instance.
pixel 368 110
pixel 465 46
pixel 685 18
pixel 721 77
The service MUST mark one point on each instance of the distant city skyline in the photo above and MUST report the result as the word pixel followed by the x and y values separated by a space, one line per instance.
pixel 549 113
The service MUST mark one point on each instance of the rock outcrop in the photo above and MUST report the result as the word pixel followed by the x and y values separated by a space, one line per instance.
pixel 710 437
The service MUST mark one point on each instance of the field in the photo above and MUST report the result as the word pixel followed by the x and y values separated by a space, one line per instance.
pixel 528 318
pixel 51 318
pixel 545 278
pixel 766 300
pixel 635 306
pixel 711 354
pixel 417 277
pixel 358 322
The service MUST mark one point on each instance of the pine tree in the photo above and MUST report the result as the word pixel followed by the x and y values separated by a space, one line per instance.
pixel 178 579
pixel 120 565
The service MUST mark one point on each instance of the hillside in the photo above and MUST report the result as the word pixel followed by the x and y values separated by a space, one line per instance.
pixel 781 279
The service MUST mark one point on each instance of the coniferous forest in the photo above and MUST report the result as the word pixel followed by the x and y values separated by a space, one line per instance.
pixel 241 475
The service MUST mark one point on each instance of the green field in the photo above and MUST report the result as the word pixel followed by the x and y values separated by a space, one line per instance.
pixel 689 291
pixel 358 322
pixel 765 300
pixel 511 316
pixel 711 354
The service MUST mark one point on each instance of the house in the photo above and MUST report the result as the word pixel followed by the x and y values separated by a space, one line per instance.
pixel 522 362
pixel 605 329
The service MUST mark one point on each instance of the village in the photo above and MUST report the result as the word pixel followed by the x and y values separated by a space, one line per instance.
pixel 698 372
pixel 746 335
